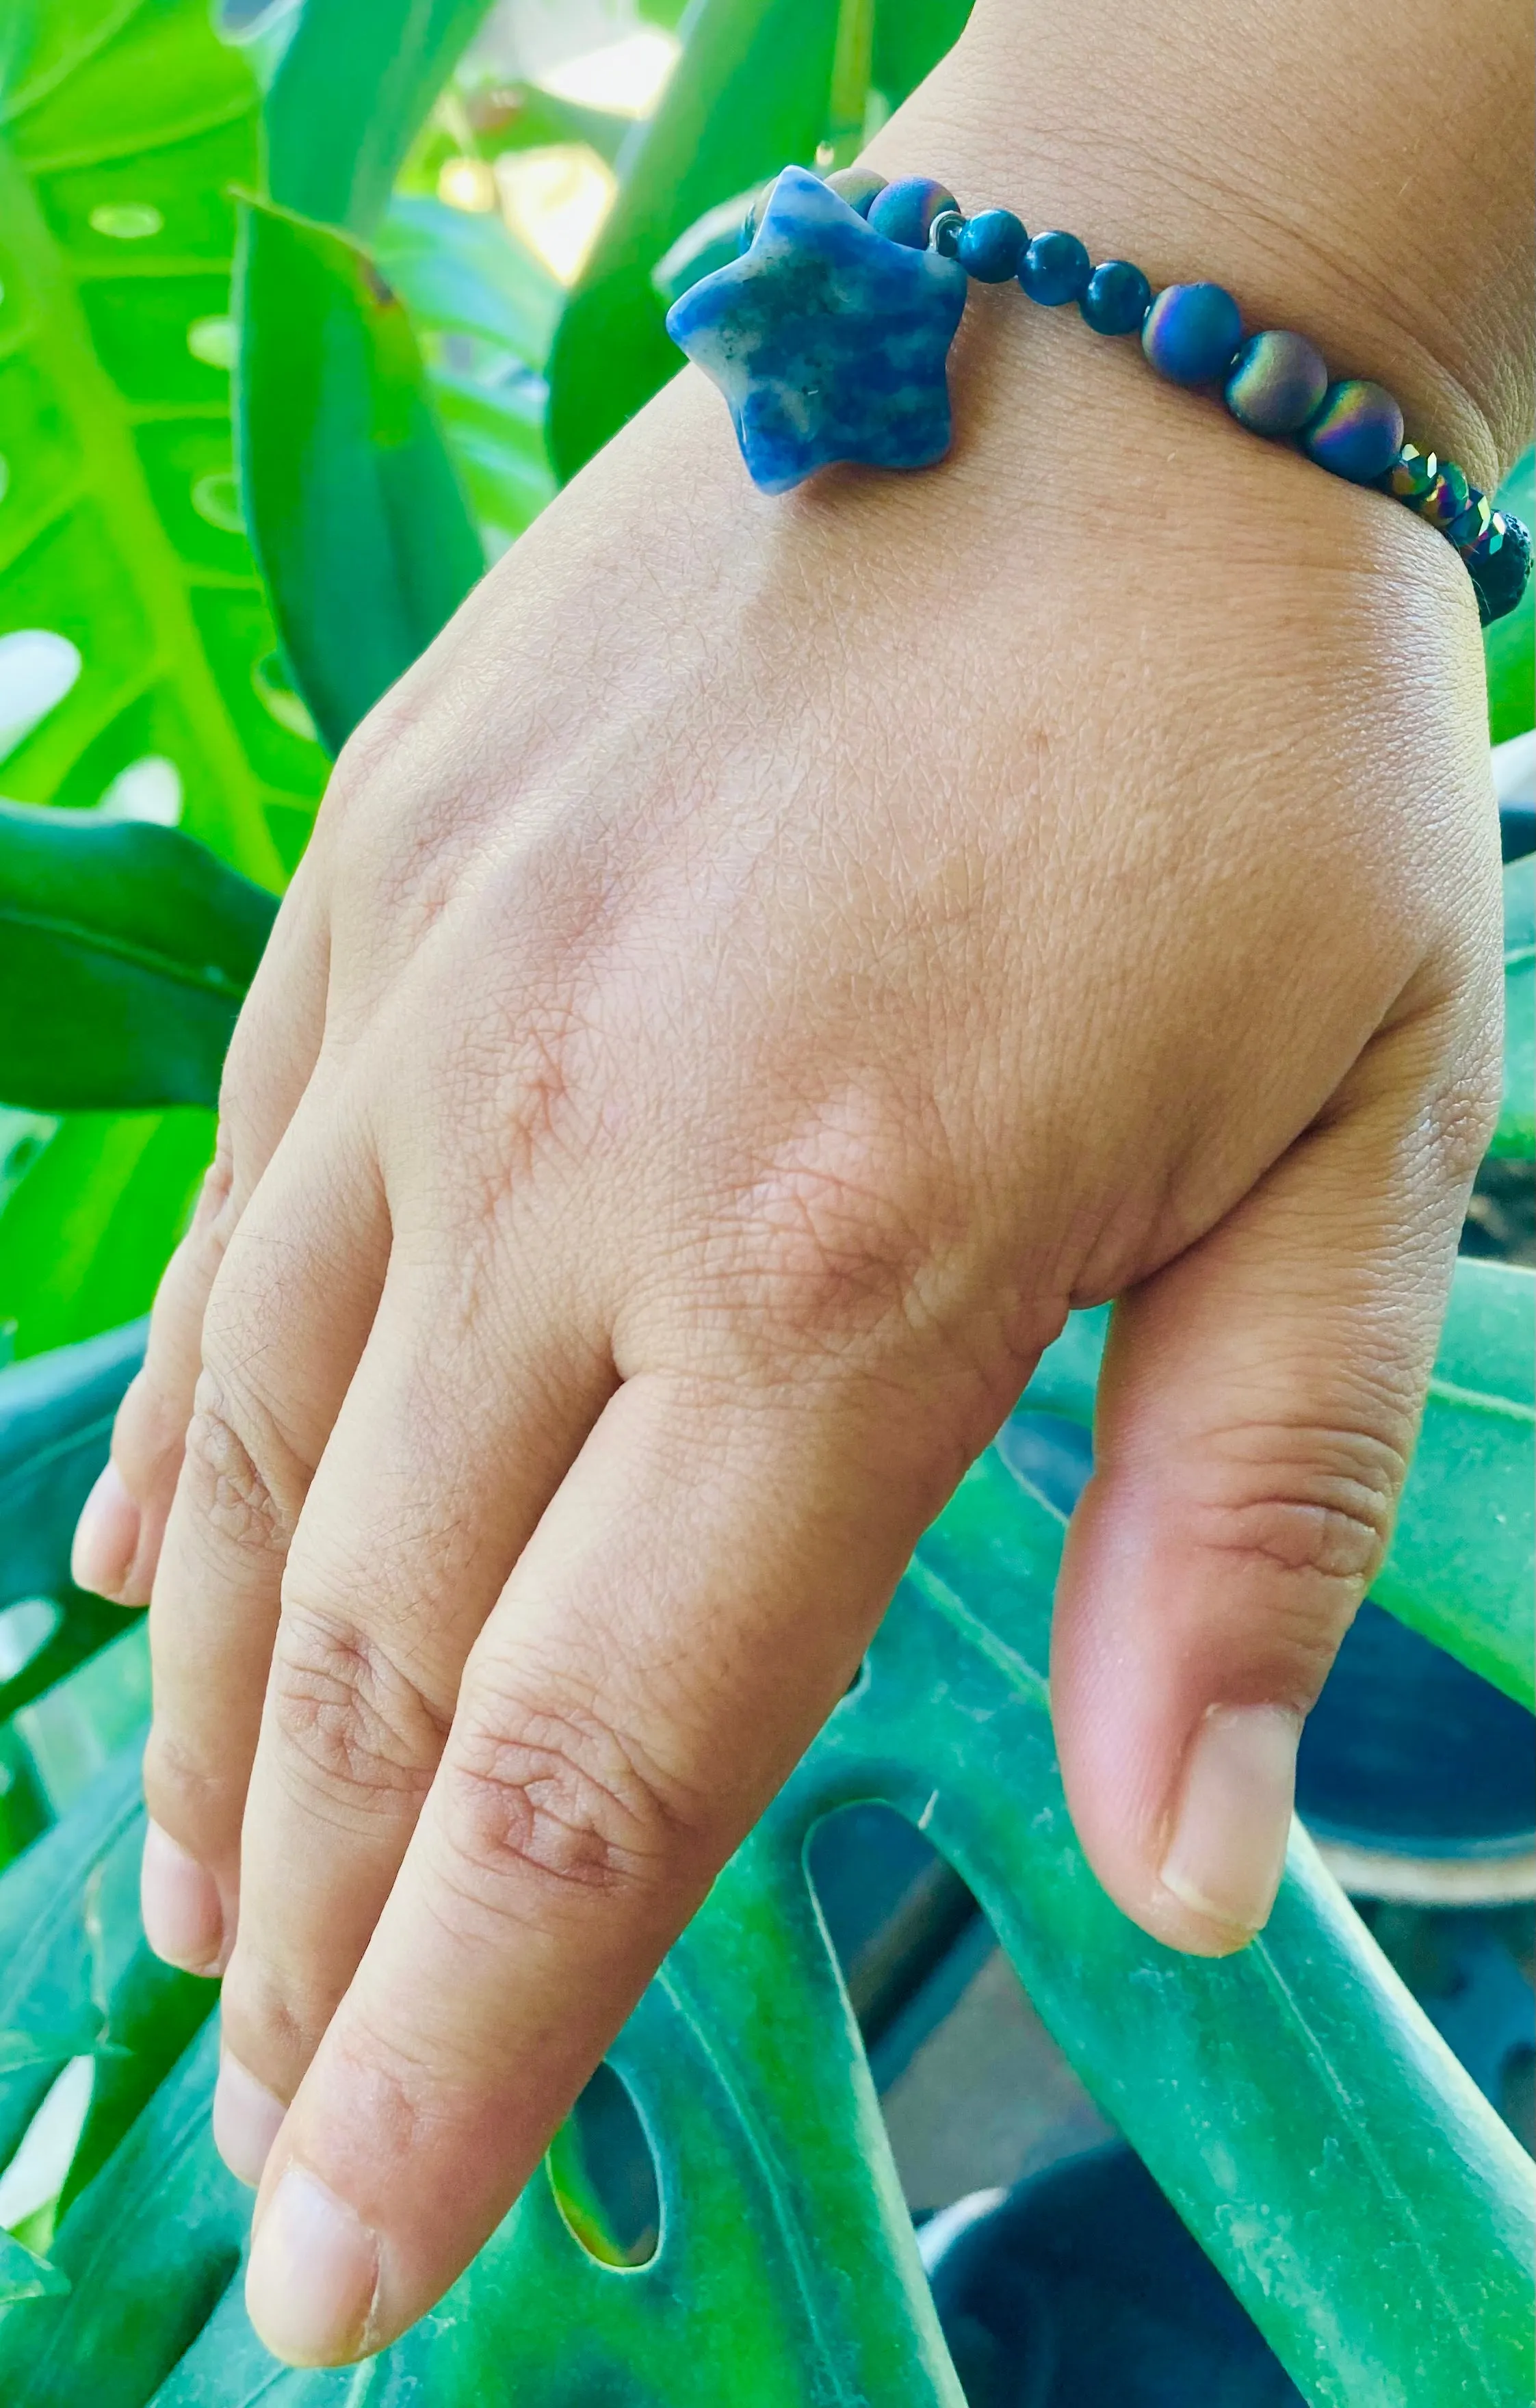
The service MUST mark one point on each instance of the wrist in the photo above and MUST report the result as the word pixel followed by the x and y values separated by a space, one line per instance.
pixel 1287 156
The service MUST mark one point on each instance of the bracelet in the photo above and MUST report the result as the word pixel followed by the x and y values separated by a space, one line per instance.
pixel 828 337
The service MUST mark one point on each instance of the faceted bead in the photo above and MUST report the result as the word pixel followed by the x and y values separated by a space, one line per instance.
pixel 1276 382
pixel 1473 522
pixel 1191 333
pixel 1357 432
pixel 1500 575
pixel 1055 268
pixel 1447 497
pixel 905 210
pixel 1115 299
pixel 858 186
pixel 1412 473
pixel 990 245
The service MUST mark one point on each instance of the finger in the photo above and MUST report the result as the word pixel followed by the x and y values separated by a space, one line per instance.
pixel 272 1053
pixel 286 1321
pixel 454 1434
pixel 692 1605
pixel 1257 1411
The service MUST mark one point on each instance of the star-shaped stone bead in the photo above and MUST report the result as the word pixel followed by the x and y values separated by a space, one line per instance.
pixel 827 341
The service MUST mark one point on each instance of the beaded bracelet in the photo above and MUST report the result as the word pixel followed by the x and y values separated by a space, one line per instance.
pixel 828 337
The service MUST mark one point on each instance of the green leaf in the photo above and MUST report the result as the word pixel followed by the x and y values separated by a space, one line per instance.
pixel 22 2276
pixel 56 1414
pixel 911 39
pixel 355 82
pixel 124 953
pixel 146 2249
pixel 53 2004
pixel 1514 1139
pixel 1510 644
pixel 88 1229
pixel 120 128
pixel 356 514
pixel 460 273
pixel 469 288
pixel 749 95
pixel 1459 1569
pixel 712 241
pixel 1368 2209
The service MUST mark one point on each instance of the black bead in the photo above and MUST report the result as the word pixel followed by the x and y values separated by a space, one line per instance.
pixel 1500 577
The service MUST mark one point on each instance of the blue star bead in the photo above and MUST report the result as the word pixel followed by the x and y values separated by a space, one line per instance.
pixel 827 341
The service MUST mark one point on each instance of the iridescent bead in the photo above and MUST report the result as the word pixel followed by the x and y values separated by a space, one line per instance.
pixel 905 210
pixel 1276 382
pixel 1055 268
pixel 1500 565
pixel 1412 473
pixel 1447 497
pixel 1472 524
pixel 1357 432
pixel 1115 299
pixel 858 186
pixel 1191 333
pixel 990 245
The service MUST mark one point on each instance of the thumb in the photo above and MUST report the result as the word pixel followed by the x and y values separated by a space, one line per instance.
pixel 1256 1410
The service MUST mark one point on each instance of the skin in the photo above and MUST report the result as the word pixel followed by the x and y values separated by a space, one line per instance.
pixel 764 966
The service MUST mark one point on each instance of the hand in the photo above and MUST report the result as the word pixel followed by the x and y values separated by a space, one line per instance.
pixel 764 966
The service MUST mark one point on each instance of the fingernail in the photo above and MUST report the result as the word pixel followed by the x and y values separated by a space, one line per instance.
pixel 106 1537
pixel 313 2274
pixel 178 1899
pixel 1228 1846
pixel 246 2117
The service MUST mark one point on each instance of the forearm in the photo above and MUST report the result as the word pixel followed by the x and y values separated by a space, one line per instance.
pixel 1354 168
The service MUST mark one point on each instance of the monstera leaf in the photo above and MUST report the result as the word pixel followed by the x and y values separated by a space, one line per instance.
pixel 750 91
pixel 137 658
pixel 1366 2204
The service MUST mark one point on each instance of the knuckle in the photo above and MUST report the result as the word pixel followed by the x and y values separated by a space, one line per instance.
pixel 232 1494
pixel 188 1796
pixel 546 1793
pixel 274 2018
pixel 1313 1505
pixel 354 1729
pixel 840 1233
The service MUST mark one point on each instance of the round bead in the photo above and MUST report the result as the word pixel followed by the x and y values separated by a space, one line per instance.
pixel 1357 432
pixel 1447 497
pixel 1276 382
pixel 1412 474
pixel 858 186
pixel 1191 333
pixel 1055 268
pixel 905 210
pixel 1499 564
pixel 990 245
pixel 1115 300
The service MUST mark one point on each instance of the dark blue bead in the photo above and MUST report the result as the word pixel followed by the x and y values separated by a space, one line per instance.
pixel 989 246
pixel 1117 298
pixel 1191 333
pixel 1277 381
pixel 905 210
pixel 1055 268
pixel 1357 432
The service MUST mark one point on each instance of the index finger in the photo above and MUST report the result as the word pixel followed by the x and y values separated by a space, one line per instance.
pixel 664 1650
